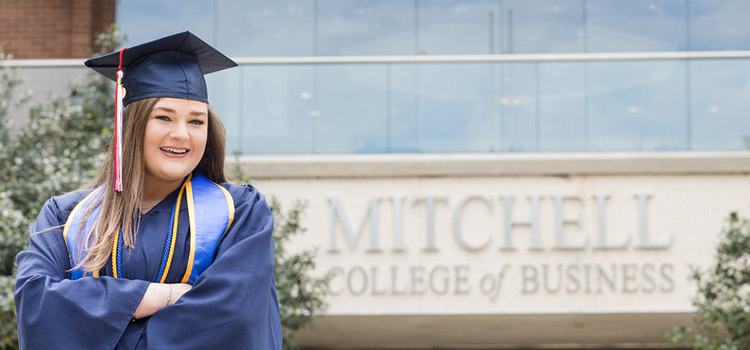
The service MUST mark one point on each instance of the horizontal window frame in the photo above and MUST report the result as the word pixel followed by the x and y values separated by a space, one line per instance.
pixel 566 57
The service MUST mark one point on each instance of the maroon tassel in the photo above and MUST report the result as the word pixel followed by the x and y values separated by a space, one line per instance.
pixel 119 95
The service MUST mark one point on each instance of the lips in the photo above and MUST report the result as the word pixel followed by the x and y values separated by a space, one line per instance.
pixel 174 151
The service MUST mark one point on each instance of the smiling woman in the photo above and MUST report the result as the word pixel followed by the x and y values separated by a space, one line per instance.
pixel 157 251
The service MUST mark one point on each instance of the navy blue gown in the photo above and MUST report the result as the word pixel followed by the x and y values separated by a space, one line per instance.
pixel 232 305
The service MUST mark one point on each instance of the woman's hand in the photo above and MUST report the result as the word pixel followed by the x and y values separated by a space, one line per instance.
pixel 158 296
pixel 177 290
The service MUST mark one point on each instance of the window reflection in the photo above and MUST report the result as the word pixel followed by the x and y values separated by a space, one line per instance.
pixel 517 107
pixel 402 108
pixel 636 25
pixel 719 25
pixel 266 28
pixel 352 109
pixel 397 27
pixel 457 27
pixel 225 92
pixel 468 107
pixel 562 111
pixel 366 27
pixel 454 108
pixel 637 106
pixel 277 109
pixel 719 104
pixel 542 26
pixel 144 20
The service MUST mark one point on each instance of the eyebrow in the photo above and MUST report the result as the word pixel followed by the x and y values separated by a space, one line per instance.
pixel 193 113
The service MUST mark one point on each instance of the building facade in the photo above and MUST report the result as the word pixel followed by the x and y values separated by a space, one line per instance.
pixel 45 42
pixel 488 174
pixel 481 174
pixel 37 29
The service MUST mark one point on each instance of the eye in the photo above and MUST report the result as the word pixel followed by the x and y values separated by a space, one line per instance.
pixel 197 122
pixel 162 117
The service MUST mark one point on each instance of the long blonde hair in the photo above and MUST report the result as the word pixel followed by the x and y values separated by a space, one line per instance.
pixel 123 208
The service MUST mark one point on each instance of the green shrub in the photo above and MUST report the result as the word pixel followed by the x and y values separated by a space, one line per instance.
pixel 723 300
pixel 300 294
pixel 57 151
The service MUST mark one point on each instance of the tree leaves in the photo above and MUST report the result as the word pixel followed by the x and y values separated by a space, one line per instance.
pixel 58 150
pixel 300 293
pixel 723 299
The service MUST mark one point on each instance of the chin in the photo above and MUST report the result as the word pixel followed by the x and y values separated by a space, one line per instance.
pixel 173 177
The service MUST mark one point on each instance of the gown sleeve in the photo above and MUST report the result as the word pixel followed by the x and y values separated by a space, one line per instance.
pixel 233 304
pixel 55 312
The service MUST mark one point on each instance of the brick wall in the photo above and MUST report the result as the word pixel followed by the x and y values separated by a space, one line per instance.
pixel 53 28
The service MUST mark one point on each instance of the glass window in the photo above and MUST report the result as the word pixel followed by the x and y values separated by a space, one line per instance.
pixel 719 104
pixel 454 107
pixel 719 25
pixel 543 26
pixel 266 28
pixel 224 91
pixel 467 107
pixel 457 27
pixel 516 101
pixel 277 109
pixel 562 110
pixel 636 25
pixel 143 20
pixel 402 107
pixel 637 106
pixel 365 27
pixel 351 108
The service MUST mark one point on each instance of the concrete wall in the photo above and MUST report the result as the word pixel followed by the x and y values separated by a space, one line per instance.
pixel 41 83
pixel 533 249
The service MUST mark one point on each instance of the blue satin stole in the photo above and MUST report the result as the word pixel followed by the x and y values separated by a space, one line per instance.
pixel 210 213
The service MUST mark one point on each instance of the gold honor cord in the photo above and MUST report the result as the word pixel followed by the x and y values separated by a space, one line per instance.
pixel 171 246
pixel 114 252
pixel 192 233
pixel 176 220
pixel 187 188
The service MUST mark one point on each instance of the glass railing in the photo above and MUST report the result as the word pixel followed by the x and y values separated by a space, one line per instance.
pixel 477 103
pixel 486 103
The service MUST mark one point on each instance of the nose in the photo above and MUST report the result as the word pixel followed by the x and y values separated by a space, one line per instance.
pixel 179 132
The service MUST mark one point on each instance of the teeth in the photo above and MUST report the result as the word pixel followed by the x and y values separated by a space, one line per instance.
pixel 179 151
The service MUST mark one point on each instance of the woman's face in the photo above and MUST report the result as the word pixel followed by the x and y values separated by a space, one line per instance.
pixel 176 133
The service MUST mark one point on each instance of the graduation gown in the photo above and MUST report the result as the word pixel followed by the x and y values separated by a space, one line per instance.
pixel 232 305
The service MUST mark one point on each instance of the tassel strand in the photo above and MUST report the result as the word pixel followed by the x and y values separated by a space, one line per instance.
pixel 119 95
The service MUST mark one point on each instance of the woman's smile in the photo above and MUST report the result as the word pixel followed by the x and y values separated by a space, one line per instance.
pixel 174 152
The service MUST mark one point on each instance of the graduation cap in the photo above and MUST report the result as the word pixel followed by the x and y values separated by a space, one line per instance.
pixel 172 66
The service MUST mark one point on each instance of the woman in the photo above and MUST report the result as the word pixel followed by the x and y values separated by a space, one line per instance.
pixel 169 259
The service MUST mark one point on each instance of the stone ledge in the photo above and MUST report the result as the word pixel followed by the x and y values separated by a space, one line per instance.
pixel 503 164
pixel 530 331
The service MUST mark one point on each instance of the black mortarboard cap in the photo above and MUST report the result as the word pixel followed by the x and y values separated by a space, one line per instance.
pixel 172 66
